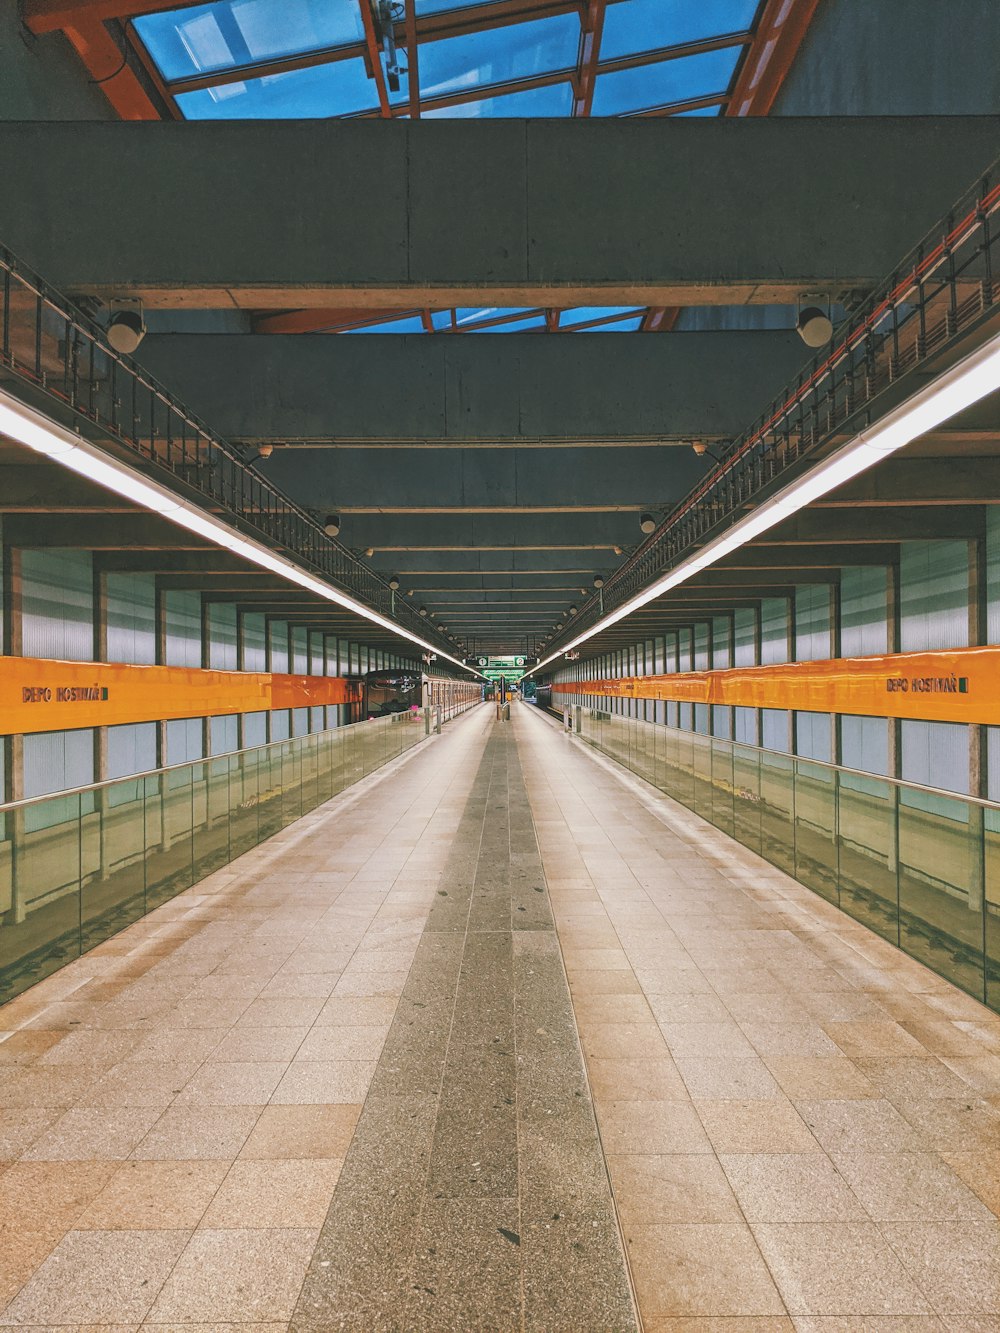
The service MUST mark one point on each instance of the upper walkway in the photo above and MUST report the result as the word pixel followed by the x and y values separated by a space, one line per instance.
pixel 499 1039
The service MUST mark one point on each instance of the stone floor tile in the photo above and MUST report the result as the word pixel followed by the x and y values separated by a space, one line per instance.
pixel 841 1268
pixel 636 1080
pixel 792 1187
pixel 251 1045
pixel 771 1126
pixel 651 1127
pixel 703 1271
pixel 93 1134
pixel 727 1077
pixel 21 1126
pixel 859 1126
pixel 956 1264
pixel 149 1196
pixel 186 1132
pixel 46 1195
pixel 341 1043
pixel 103 1277
pixel 806 1077
pixel 671 1188
pixel 240 1276
pixel 298 1132
pixel 312 1082
pixel 24 1251
pixel 910 1187
pixel 274 1193
pixel 230 1083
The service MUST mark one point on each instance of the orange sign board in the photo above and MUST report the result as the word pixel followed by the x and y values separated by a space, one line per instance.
pixel 951 685
pixel 38 694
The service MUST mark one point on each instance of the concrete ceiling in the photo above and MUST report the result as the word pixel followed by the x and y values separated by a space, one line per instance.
pixel 498 473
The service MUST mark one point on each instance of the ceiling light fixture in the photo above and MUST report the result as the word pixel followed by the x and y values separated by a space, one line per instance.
pixel 331 525
pixel 78 455
pixel 647 524
pixel 963 384
pixel 814 326
pixel 126 330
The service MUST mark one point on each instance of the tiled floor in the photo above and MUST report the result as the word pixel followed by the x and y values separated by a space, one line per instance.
pixel 800 1125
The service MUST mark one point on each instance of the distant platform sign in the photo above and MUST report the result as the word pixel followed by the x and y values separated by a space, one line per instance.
pixel 501 664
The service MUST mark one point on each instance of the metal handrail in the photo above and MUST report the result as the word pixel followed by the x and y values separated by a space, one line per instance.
pixel 9 806
pixel 939 792
pixel 918 312
pixel 52 350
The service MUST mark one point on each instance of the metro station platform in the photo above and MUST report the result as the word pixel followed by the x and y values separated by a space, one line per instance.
pixel 499 1039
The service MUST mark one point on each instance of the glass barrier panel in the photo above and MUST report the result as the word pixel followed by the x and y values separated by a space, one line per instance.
pixel 701 768
pixel 991 869
pixel 113 857
pixel 269 791
pixel 815 834
pixel 40 925
pixel 777 803
pixel 308 776
pixel 211 815
pixel 940 885
pixel 866 836
pixel 746 796
pixel 291 792
pixel 243 802
pixel 721 759
pixel 169 835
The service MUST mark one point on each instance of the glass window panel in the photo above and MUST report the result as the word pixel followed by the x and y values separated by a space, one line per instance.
pixel 441 6
pixel 553 100
pixel 668 81
pixel 647 25
pixel 474 314
pixel 339 89
pixel 516 326
pixel 518 51
pixel 412 324
pixel 191 41
pixel 584 313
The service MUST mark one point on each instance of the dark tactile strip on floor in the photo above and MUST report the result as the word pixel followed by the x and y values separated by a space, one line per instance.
pixel 475 1193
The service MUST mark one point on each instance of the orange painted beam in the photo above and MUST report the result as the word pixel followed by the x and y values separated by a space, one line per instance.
pixel 52 15
pixel 39 694
pixel 108 67
pixel 953 685
pixel 776 43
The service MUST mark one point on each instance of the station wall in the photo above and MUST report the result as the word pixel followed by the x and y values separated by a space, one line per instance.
pixel 940 595
pixel 57 604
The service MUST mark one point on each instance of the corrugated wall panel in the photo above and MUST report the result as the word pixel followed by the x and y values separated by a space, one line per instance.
pixel 254 642
pixel 774 728
pixel 223 734
pixel 254 730
pixel 131 749
pixel 278 645
pixel 745 636
pixel 58 604
pixel 814 736
pixel 182 618
pixel 864 621
pixel 222 636
pixel 935 754
pixel 864 744
pixel 813 627
pixel 131 618
pixel 185 740
pixel 934 595
pixel 745 726
pixel 773 631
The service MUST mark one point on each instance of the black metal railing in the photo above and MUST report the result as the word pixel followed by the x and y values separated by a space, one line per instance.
pixel 939 292
pixel 54 356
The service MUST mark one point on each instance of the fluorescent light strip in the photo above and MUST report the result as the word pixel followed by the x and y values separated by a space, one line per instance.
pixel 967 382
pixel 33 430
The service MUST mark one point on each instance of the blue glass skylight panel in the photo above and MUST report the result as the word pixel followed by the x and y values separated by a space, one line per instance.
pixel 479 59
pixel 340 89
pixel 204 38
pixel 584 313
pixel 515 326
pixel 411 324
pixel 476 314
pixel 443 6
pixel 554 100
pixel 646 25
pixel 667 81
